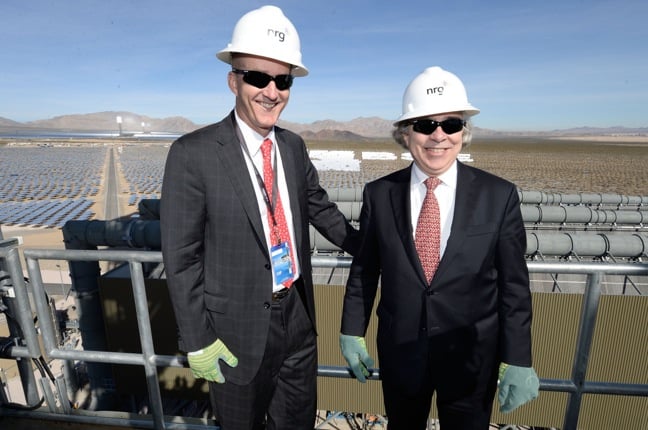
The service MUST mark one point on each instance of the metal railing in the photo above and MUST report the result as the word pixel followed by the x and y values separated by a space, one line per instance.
pixel 575 386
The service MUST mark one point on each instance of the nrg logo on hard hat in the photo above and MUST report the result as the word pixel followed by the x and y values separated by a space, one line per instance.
pixel 278 34
pixel 435 90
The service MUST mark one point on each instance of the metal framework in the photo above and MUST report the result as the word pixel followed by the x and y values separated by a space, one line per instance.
pixel 13 289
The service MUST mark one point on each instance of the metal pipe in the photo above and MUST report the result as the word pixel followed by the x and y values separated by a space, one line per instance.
pixel 10 262
pixel 85 286
pixel 86 236
pixel 345 372
pixel 581 215
pixel 109 420
pixel 132 233
pixel 146 234
pixel 146 341
pixel 614 388
pixel 629 269
pixel 576 385
pixel 20 324
pixel 527 197
pixel 590 244
pixel 586 327
pixel 351 194
pixel 536 209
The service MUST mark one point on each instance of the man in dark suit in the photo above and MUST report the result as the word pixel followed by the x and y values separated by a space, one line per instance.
pixel 237 199
pixel 455 304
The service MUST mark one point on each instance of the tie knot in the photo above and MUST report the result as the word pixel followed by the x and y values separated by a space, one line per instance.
pixel 266 146
pixel 431 183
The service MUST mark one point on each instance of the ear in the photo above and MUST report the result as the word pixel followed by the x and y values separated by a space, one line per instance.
pixel 232 83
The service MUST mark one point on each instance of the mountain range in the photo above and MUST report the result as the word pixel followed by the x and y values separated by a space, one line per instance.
pixel 357 129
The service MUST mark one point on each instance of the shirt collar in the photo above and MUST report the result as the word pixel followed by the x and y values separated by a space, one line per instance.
pixel 449 177
pixel 253 140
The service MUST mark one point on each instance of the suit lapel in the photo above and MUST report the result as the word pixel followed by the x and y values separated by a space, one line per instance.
pixel 290 165
pixel 231 155
pixel 401 208
pixel 463 211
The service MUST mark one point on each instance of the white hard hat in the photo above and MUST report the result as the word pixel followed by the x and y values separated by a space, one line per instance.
pixel 266 32
pixel 435 91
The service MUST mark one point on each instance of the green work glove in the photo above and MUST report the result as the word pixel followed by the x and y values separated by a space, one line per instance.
pixel 517 386
pixel 355 353
pixel 204 363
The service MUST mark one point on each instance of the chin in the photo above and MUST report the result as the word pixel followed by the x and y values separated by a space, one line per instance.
pixel 267 121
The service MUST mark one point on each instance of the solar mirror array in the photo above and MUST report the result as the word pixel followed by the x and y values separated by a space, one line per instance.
pixel 45 186
pixel 142 169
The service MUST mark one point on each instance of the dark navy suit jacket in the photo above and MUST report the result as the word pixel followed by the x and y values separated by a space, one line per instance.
pixel 479 299
pixel 215 254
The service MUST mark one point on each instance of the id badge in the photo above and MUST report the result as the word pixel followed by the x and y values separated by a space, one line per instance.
pixel 281 262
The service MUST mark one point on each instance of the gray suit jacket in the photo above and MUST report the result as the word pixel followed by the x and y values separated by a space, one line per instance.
pixel 215 254
pixel 479 299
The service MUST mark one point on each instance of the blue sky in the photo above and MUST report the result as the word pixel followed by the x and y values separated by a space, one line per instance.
pixel 528 65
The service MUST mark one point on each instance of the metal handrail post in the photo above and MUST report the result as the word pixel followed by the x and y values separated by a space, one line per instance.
pixel 591 300
pixel 23 313
pixel 40 302
pixel 23 326
pixel 575 387
pixel 146 341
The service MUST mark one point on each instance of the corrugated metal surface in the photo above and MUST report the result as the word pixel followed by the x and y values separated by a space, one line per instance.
pixel 619 354
pixel 554 334
pixel 337 394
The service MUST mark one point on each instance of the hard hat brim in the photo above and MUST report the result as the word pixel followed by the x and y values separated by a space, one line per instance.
pixel 298 70
pixel 467 110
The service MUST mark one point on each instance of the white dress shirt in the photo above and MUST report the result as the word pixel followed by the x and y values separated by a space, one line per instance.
pixel 445 194
pixel 253 141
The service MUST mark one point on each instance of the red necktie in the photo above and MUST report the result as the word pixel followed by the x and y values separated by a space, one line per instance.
pixel 278 227
pixel 428 231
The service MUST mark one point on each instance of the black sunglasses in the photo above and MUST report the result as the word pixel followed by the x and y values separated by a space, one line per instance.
pixel 427 126
pixel 261 80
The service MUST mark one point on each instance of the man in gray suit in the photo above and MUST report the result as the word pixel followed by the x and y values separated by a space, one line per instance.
pixel 237 199
pixel 447 242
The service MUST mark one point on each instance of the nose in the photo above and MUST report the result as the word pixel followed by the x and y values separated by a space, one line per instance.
pixel 271 91
pixel 438 134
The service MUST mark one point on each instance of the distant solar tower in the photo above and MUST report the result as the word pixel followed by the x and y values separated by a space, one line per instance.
pixel 119 123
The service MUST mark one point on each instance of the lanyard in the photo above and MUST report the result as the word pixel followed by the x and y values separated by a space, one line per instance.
pixel 270 204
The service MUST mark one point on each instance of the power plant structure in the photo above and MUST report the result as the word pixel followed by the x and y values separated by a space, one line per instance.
pixel 109 358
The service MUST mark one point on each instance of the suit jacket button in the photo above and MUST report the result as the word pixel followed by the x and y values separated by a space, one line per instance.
pixel 267 266
pixel 266 305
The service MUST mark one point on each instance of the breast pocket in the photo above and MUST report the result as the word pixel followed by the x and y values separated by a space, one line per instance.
pixel 481 229
pixel 477 250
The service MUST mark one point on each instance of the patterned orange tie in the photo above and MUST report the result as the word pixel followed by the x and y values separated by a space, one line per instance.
pixel 428 231
pixel 279 227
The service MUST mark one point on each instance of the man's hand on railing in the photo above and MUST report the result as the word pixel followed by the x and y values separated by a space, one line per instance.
pixel 354 350
pixel 517 386
pixel 204 362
